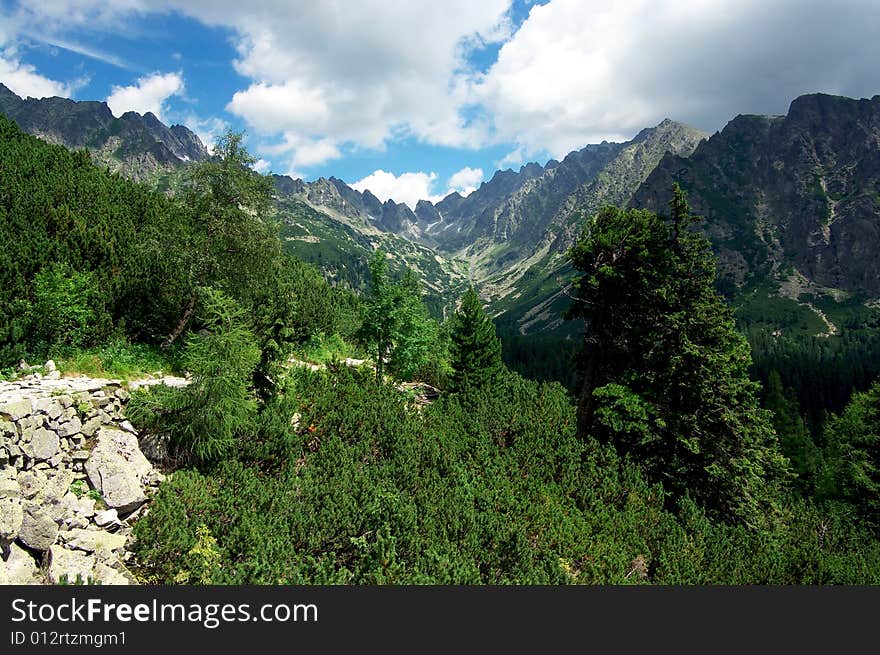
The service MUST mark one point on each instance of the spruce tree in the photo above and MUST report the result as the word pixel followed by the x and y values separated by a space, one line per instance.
pixel 664 372
pixel 476 349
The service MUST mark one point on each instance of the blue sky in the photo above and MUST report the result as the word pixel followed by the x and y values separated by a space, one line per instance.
pixel 413 99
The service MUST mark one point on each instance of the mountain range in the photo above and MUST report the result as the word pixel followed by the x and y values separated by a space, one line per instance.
pixel 791 204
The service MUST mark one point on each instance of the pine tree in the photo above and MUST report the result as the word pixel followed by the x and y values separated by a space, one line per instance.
pixel 476 349
pixel 664 372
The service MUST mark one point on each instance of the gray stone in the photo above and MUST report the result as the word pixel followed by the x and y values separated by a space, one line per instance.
pixel 80 455
pixel 49 366
pixel 95 540
pixel 70 428
pixel 11 511
pixel 71 565
pixel 123 395
pixel 107 517
pixel 44 444
pixel 7 428
pixel 115 468
pixel 54 375
pixel 49 406
pixel 21 567
pixel 38 530
pixel 30 483
pixel 91 426
pixel 16 408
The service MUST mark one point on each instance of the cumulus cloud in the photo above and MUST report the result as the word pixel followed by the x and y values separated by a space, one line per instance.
pixel 465 180
pixel 406 187
pixel 24 80
pixel 207 129
pixel 147 94
pixel 579 72
pixel 325 77
pixel 261 166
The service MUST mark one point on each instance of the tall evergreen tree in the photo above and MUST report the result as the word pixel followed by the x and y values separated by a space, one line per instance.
pixel 475 349
pixel 665 374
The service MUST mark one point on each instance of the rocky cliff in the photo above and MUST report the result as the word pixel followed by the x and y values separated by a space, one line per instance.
pixel 788 195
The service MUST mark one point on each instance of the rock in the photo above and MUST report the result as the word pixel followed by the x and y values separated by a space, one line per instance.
pixel 21 567
pixel 44 444
pixel 95 540
pixel 54 375
pixel 38 530
pixel 107 575
pixel 80 455
pixel 49 366
pixel 115 468
pixel 71 566
pixel 30 483
pixel 49 406
pixel 70 428
pixel 11 512
pixel 107 517
pixel 16 408
pixel 91 426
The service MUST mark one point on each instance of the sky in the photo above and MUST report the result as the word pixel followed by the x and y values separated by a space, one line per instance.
pixel 417 98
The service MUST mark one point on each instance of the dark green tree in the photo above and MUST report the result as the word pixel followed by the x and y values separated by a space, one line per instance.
pixel 664 372
pixel 396 326
pixel 475 348
pixel 851 471
pixel 791 428
pixel 230 244
pixel 203 419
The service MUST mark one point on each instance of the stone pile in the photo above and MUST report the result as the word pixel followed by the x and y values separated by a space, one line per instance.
pixel 72 480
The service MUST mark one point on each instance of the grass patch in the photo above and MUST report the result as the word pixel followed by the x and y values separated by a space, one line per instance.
pixel 323 349
pixel 117 359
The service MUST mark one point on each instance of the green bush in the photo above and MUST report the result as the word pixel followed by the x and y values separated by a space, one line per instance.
pixel 68 308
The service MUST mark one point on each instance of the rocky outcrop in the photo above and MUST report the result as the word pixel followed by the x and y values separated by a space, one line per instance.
pixel 72 480
pixel 797 191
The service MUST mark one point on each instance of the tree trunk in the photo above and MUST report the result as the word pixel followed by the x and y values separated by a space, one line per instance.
pixel 187 314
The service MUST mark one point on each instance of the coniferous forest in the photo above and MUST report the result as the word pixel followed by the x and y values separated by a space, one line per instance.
pixel 677 445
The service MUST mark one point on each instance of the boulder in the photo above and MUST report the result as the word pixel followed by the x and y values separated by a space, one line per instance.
pixel 70 565
pixel 16 408
pixel 70 428
pixel 44 444
pixel 21 567
pixel 115 468
pixel 95 540
pixel 38 529
pixel 106 518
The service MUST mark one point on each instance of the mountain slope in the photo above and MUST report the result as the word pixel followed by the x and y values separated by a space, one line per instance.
pixel 138 147
pixel 794 197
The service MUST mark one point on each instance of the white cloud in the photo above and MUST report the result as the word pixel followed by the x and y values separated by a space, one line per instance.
pixel 465 180
pixel 261 166
pixel 147 94
pixel 406 187
pixel 24 80
pixel 207 129
pixel 579 72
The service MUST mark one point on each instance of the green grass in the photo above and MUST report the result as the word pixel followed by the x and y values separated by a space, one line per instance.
pixel 323 349
pixel 116 359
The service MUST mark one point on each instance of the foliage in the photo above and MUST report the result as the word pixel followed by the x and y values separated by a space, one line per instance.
pixel 68 307
pixel 665 374
pixel 396 324
pixel 203 419
pixel 852 460
pixel 475 348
